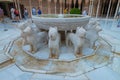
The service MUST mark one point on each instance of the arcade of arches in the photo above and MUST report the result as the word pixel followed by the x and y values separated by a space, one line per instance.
pixel 95 8
pixel 100 8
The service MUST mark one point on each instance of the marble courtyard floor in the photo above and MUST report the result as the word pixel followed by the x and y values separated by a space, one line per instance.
pixel 96 68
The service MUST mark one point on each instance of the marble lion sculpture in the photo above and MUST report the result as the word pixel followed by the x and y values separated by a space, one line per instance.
pixel 22 26
pixel 92 34
pixel 54 42
pixel 33 38
pixel 77 39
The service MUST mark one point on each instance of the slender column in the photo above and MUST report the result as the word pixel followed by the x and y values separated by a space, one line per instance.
pixel 30 9
pixel 90 7
pixel 19 9
pixel 63 4
pixel 103 6
pixel 40 4
pixel 49 7
pixel 15 4
pixel 79 3
pixel 70 1
pixel 67 3
pixel 60 1
pixel 117 9
pixel 74 3
pixel 108 9
pixel 86 3
pixel 55 6
pixel 98 6
pixel 7 8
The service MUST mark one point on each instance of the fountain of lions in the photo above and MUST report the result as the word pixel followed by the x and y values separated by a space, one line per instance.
pixel 32 50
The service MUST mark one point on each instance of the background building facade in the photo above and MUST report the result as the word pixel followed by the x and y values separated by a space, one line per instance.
pixel 95 8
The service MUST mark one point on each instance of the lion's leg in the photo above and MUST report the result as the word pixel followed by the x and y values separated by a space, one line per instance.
pixel 76 51
pixel 67 41
pixel 31 48
pixel 34 49
pixel 80 51
pixel 57 53
pixel 51 54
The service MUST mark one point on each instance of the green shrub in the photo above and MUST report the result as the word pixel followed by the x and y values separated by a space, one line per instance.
pixel 75 11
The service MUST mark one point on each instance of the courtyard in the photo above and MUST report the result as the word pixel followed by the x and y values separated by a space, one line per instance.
pixel 21 66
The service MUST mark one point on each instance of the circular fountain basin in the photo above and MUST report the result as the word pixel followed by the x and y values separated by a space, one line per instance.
pixel 62 22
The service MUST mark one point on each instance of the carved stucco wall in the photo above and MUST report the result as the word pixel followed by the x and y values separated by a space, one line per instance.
pixel 48 6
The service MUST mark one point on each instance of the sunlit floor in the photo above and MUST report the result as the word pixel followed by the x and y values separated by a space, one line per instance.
pixel 86 71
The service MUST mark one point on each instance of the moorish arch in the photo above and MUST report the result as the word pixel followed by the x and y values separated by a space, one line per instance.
pixel 97 8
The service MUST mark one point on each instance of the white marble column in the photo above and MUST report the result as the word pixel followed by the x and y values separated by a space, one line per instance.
pixel 79 3
pixel 90 7
pixel 86 3
pixel 63 4
pixel 40 4
pixel 19 9
pixel 49 7
pixel 60 1
pixel 117 9
pixel 70 1
pixel 67 5
pixel 55 1
pixel 15 4
pixel 67 2
pixel 30 8
pixel 108 9
pixel 86 6
pixel 98 6
pixel 74 3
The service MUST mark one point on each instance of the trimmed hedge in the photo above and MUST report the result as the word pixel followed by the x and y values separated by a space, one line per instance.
pixel 75 11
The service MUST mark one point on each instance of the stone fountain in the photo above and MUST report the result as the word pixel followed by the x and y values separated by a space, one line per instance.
pixel 32 50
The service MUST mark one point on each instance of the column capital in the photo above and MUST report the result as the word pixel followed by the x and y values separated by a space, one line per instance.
pixel 39 0
pixel 91 0
pixel 79 1
pixel 67 1
pixel 70 1
pixel 74 1
pixel 60 1
pixel 55 1
pixel 49 0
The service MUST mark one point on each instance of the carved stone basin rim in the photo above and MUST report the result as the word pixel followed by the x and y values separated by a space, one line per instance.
pixel 68 22
pixel 65 18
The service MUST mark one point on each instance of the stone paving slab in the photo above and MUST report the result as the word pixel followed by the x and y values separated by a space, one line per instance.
pixel 103 73
pixel 14 73
pixel 5 38
pixel 3 57
pixel 55 77
pixel 116 63
pixel 113 41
